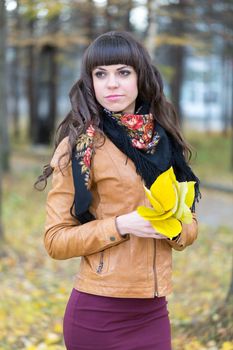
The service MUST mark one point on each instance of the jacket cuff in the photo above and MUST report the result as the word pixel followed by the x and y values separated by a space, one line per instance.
pixel 112 234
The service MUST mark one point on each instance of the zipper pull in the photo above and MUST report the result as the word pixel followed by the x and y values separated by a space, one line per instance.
pixel 101 263
pixel 100 267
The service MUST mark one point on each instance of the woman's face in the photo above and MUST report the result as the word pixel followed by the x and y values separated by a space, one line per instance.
pixel 116 87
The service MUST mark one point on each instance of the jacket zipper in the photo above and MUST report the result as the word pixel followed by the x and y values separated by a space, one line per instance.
pixel 101 263
pixel 156 282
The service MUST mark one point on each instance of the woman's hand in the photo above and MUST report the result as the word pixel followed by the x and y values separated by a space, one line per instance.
pixel 134 224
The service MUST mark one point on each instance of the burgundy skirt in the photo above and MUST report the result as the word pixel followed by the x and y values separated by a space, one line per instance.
pixel 93 322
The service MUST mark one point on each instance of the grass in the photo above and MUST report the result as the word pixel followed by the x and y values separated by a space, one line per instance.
pixel 35 288
pixel 213 156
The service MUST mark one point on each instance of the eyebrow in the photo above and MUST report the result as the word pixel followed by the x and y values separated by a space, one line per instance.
pixel 103 69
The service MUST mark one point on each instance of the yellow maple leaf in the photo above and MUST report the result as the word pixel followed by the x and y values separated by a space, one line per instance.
pixel 171 201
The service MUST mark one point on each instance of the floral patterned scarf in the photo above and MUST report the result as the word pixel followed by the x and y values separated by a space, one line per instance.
pixel 145 142
pixel 140 129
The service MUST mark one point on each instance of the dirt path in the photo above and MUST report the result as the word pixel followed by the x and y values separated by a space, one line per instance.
pixel 215 209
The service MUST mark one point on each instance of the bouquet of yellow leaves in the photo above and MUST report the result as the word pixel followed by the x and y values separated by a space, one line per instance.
pixel 171 201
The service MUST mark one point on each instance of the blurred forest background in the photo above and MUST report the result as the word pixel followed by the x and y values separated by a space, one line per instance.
pixel 41 45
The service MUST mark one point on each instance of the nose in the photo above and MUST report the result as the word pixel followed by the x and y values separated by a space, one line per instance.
pixel 112 81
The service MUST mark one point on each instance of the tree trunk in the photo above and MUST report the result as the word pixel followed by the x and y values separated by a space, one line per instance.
pixel 1 200
pixel 14 89
pixel 4 143
pixel 117 15
pixel 46 89
pixel 178 55
pixel 152 29
pixel 31 86
pixel 108 16
pixel 127 25
pixel 231 116
pixel 230 291
pixel 90 20
pixel 15 81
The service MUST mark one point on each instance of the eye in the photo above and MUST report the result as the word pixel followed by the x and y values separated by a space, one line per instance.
pixel 99 74
pixel 125 72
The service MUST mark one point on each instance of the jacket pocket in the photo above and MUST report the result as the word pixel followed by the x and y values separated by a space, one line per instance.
pixel 97 263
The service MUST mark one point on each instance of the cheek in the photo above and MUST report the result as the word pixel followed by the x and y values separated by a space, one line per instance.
pixel 133 87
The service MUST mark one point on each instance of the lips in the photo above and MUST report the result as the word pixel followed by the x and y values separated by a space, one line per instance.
pixel 113 97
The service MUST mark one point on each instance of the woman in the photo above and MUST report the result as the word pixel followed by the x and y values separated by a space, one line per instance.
pixel 120 135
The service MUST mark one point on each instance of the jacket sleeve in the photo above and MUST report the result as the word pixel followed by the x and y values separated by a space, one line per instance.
pixel 187 236
pixel 64 237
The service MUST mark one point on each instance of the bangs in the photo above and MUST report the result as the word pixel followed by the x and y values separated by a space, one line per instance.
pixel 109 50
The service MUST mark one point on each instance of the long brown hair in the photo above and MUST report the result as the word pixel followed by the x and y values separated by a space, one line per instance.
pixel 108 49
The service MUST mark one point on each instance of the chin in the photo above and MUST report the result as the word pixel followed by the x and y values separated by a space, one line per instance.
pixel 115 108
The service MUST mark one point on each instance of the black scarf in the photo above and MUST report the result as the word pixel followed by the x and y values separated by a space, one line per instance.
pixel 149 165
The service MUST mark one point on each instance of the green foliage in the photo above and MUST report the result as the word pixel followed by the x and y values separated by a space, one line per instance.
pixel 213 156
pixel 32 9
pixel 35 288
pixel 167 72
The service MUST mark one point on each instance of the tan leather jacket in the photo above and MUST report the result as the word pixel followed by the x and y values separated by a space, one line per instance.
pixel 111 265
